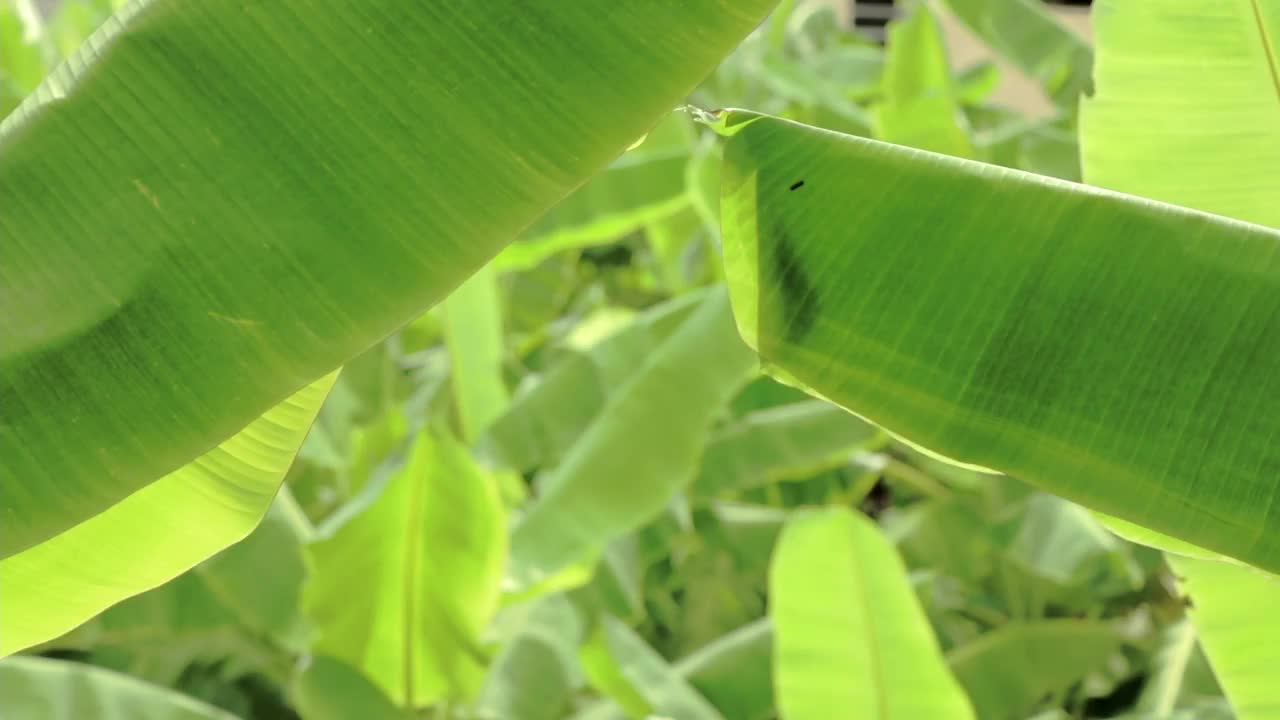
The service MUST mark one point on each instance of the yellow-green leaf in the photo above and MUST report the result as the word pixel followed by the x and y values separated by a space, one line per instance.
pixel 1116 351
pixel 849 635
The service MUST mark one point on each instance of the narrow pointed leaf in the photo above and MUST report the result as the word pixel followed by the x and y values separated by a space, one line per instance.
pixel 660 686
pixel 779 442
pixel 619 578
pixel 211 205
pixel 1113 350
pixel 545 421
pixel 1163 686
pixel 849 635
pixel 473 334
pixel 641 450
pixel 620 697
pixel 920 105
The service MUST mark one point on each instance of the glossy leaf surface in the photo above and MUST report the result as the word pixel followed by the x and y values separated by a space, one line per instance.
pixel 157 533
pixel 1113 350
pixel 211 205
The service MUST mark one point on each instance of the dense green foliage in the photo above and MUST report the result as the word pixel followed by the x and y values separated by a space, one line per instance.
pixel 576 487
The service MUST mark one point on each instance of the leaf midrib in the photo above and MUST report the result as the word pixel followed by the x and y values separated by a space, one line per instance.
pixel 873 640
pixel 1268 49
pixel 409 587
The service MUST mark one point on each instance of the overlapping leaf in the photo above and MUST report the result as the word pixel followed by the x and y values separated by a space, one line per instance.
pixel 156 533
pixel 473 334
pixel 1219 157
pixel 181 255
pixel 1112 350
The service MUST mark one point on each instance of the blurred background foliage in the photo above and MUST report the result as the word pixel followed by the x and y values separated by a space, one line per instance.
pixel 559 493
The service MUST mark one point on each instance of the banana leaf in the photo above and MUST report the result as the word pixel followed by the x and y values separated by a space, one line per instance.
pixel 1116 351
pixel 209 206
pixel 850 638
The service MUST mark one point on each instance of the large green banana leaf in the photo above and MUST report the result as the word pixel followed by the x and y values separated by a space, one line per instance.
pixel 157 533
pixel 1220 156
pixel 212 204
pixel 1116 351
pixel 850 638
pixel 41 689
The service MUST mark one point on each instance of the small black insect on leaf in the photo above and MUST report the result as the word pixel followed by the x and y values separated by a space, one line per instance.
pixel 797 185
